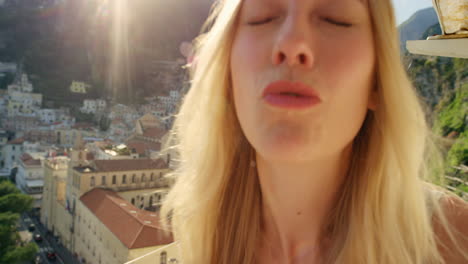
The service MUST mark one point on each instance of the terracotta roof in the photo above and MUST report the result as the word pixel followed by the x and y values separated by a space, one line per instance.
pixel 154 132
pixel 141 146
pixel 29 160
pixel 16 141
pixel 135 228
pixel 129 164
pixel 83 125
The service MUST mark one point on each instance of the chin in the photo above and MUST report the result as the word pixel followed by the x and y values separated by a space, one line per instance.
pixel 289 151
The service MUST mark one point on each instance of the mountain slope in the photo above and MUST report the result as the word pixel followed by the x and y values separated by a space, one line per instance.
pixel 417 24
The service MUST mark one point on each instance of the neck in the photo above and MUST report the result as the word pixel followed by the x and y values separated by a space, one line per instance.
pixel 296 201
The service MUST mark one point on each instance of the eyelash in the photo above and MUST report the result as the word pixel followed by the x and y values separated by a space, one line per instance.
pixel 339 24
pixel 261 22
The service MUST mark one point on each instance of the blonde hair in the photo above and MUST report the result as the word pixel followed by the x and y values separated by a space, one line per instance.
pixel 384 212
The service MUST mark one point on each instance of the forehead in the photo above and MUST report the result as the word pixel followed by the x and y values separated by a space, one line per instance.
pixel 361 2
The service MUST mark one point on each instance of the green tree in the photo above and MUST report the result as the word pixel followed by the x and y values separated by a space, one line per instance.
pixel 12 204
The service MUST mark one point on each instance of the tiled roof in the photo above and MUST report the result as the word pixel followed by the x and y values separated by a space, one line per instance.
pixel 129 164
pixel 16 141
pixel 141 146
pixel 29 160
pixel 154 132
pixel 83 125
pixel 135 228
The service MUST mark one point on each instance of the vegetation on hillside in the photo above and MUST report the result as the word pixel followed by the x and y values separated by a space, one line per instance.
pixel 443 85
pixel 12 205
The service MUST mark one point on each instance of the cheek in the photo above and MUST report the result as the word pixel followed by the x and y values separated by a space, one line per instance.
pixel 351 78
pixel 246 62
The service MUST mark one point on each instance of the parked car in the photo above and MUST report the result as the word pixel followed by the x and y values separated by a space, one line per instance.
pixel 51 255
pixel 38 238
pixel 31 227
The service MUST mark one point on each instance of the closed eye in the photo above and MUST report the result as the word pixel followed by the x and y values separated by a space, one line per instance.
pixel 261 22
pixel 337 23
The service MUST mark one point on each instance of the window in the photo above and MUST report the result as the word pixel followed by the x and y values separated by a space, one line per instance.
pixel 103 182
pixel 133 201
pixel 143 177
pixel 163 257
pixel 124 179
pixel 92 182
pixel 133 178
pixel 114 179
pixel 152 177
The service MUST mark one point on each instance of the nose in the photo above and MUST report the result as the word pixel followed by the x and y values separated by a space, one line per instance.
pixel 291 47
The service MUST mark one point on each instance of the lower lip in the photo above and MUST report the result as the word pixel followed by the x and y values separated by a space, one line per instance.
pixel 291 102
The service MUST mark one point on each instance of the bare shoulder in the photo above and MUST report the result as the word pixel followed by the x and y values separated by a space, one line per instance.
pixel 456 211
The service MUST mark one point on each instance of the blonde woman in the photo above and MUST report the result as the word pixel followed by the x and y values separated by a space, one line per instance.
pixel 301 140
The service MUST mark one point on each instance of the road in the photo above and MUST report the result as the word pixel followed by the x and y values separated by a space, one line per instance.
pixel 45 245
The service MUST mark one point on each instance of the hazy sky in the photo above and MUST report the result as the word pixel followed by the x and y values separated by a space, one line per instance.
pixel 406 8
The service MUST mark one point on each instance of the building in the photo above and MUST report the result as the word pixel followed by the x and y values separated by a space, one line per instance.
pixel 3 103
pixel 124 113
pixel 141 175
pixel 55 213
pixel 111 230
pixel 105 210
pixel 119 130
pixel 3 141
pixel 30 177
pixel 106 150
pixel 67 136
pixel 79 87
pixel 23 103
pixel 21 123
pixel 41 134
pixel 148 135
pixel 7 67
pixel 51 116
pixel 93 106
pixel 11 153
pixel 21 99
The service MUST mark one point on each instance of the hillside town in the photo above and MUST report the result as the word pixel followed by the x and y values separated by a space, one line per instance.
pixel 85 135
pixel 96 192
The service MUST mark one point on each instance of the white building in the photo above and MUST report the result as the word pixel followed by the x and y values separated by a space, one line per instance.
pixel 93 106
pixel 21 103
pixel 125 113
pixel 51 116
pixel 3 104
pixel 103 150
pixel 30 176
pixel 11 152
pixel 26 86
pixel 7 67
pixel 3 141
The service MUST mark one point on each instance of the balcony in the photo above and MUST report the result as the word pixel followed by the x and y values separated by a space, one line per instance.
pixel 453 20
pixel 445 47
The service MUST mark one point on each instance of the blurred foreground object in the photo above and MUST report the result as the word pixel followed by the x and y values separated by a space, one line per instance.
pixel 453 19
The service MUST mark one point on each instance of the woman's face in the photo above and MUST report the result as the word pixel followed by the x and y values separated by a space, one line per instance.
pixel 326 45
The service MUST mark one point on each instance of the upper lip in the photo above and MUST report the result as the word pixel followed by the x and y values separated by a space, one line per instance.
pixel 299 88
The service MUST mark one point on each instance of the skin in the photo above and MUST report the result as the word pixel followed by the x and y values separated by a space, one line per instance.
pixel 302 155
